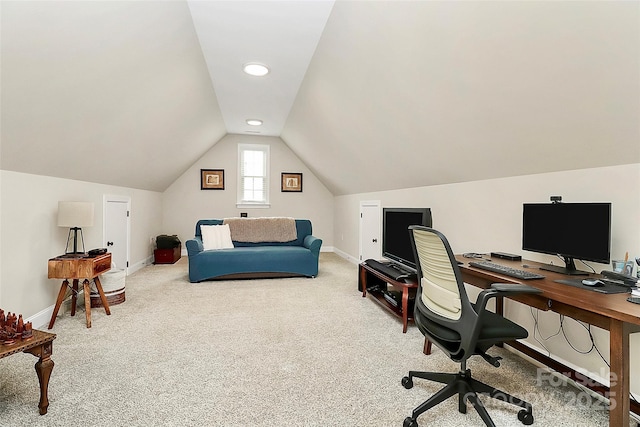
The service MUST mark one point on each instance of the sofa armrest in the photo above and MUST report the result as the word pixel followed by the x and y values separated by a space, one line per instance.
pixel 194 246
pixel 313 244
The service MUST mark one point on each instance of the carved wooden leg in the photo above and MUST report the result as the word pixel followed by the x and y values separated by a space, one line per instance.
pixel 87 301
pixel 103 298
pixel 74 297
pixel 61 293
pixel 44 366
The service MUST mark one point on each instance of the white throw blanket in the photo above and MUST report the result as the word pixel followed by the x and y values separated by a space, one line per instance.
pixel 256 230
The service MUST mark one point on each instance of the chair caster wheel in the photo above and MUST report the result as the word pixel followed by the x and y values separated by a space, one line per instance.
pixel 407 383
pixel 525 417
pixel 409 422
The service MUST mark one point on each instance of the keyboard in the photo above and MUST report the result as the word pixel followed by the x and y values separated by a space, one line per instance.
pixel 387 270
pixel 507 271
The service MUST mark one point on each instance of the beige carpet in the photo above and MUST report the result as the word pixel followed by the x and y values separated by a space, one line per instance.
pixel 294 352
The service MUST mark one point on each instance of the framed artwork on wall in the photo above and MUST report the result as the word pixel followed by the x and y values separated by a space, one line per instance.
pixel 291 182
pixel 212 179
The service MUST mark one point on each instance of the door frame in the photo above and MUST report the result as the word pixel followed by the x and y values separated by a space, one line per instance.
pixel 119 199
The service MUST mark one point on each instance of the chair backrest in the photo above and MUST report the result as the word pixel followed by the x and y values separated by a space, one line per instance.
pixel 438 285
pixel 441 296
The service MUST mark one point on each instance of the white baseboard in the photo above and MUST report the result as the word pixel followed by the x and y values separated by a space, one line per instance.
pixel 41 319
pixel 138 265
pixel 346 256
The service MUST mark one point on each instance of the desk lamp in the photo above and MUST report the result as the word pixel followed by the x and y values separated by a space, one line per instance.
pixel 75 215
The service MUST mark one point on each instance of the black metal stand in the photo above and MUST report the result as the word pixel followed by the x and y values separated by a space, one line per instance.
pixel 75 241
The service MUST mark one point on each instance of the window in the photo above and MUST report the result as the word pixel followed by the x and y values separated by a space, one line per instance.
pixel 253 174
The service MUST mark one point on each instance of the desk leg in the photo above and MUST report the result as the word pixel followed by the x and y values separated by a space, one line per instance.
pixel 61 293
pixel 44 366
pixel 619 389
pixel 87 301
pixel 103 298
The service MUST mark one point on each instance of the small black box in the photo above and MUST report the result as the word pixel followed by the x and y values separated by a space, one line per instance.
pixel 504 255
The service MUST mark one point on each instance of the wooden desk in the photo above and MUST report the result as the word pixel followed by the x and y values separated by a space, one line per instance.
pixel 376 283
pixel 78 267
pixel 41 346
pixel 607 311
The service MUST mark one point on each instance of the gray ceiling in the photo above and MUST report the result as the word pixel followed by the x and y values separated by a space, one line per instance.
pixel 385 95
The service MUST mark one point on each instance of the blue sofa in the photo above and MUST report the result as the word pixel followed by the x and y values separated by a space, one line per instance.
pixel 252 260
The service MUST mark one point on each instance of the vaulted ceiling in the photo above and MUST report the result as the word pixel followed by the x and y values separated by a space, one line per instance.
pixel 372 95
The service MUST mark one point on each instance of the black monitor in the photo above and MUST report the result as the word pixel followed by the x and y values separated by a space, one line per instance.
pixel 571 230
pixel 396 243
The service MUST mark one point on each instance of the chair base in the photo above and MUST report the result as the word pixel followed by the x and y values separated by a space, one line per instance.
pixel 467 389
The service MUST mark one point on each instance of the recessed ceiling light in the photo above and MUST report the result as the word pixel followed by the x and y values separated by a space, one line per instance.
pixel 255 69
pixel 254 122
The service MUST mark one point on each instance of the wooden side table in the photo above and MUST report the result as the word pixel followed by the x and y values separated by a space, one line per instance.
pixel 41 346
pixel 76 267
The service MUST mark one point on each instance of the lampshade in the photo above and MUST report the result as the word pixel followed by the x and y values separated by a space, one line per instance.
pixel 75 214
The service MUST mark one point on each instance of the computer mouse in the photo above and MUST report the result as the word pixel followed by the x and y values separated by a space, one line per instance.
pixel 592 282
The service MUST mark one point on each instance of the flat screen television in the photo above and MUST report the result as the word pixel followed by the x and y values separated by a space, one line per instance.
pixel 571 230
pixel 396 243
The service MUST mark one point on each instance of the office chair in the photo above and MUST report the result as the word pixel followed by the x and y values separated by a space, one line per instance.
pixel 445 316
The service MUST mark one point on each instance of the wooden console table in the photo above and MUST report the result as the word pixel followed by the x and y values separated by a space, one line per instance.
pixel 376 283
pixel 76 267
pixel 41 346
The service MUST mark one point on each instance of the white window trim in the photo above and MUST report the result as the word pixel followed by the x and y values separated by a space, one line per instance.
pixel 248 205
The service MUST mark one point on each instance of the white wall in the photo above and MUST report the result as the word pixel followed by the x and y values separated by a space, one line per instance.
pixel 485 216
pixel 29 234
pixel 184 203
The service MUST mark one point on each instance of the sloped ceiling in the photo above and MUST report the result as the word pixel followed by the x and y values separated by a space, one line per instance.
pixel 280 34
pixel 107 92
pixel 408 94
pixel 397 94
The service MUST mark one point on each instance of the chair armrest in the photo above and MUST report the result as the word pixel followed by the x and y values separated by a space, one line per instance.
pixel 503 290
pixel 313 244
pixel 194 246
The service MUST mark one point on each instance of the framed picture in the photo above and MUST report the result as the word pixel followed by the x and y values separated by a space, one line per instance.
pixel 212 179
pixel 291 182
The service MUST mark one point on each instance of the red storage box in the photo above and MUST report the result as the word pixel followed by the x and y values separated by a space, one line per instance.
pixel 167 256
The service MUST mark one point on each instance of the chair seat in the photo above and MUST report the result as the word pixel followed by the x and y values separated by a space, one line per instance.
pixel 495 328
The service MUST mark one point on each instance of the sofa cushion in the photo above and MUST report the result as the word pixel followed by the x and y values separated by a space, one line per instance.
pixel 216 237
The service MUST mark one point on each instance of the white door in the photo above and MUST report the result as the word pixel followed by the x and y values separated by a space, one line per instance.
pixel 370 224
pixel 116 229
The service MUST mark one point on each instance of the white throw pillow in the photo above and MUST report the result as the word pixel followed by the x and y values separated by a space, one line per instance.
pixel 216 237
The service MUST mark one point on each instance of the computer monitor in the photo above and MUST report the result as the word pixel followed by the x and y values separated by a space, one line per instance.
pixel 571 230
pixel 396 243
